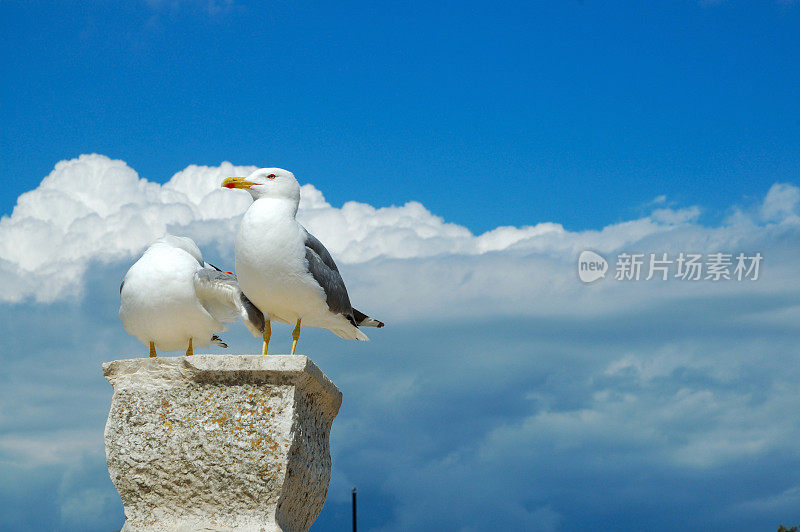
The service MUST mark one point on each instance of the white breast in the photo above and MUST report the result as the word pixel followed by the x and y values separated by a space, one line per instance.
pixel 271 264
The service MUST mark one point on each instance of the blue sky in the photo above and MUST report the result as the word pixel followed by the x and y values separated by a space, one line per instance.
pixel 617 103
pixel 456 159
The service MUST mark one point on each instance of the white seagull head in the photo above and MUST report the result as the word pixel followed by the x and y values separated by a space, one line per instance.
pixel 267 183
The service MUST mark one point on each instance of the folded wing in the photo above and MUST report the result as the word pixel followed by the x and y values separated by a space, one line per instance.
pixel 220 295
pixel 325 272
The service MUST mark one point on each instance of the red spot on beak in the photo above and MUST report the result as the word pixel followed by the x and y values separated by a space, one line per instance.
pixel 230 185
pixel 231 273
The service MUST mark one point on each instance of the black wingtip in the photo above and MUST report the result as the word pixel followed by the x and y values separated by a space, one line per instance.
pixel 359 319
pixel 218 341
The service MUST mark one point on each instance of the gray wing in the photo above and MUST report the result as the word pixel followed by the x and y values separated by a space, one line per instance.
pixel 218 292
pixel 325 272
pixel 220 295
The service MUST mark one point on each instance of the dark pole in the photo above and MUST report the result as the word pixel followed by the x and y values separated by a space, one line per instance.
pixel 354 510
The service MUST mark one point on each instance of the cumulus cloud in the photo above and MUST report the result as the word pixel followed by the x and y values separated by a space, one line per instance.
pixel 97 209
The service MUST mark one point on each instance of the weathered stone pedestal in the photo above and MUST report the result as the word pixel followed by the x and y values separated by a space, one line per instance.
pixel 220 442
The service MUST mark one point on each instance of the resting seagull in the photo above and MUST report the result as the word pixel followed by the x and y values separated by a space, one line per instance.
pixel 283 269
pixel 171 299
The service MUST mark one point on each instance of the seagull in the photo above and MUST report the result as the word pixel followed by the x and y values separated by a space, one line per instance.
pixel 171 299
pixel 283 269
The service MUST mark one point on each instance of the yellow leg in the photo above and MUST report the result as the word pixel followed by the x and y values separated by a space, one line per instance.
pixel 152 350
pixel 267 334
pixel 295 335
pixel 189 350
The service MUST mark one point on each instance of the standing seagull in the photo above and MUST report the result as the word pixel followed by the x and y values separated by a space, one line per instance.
pixel 171 299
pixel 285 271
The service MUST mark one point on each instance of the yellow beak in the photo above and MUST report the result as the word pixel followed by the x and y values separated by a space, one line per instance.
pixel 237 182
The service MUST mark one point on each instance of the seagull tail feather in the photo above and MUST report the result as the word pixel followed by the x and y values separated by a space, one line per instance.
pixel 350 333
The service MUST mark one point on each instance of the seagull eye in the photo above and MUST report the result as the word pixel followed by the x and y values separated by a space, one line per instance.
pixel 271 176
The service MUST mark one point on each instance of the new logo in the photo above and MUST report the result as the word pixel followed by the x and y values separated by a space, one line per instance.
pixel 591 266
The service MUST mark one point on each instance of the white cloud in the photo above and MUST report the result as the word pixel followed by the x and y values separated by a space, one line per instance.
pixel 47 448
pixel 97 209
pixel 781 203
